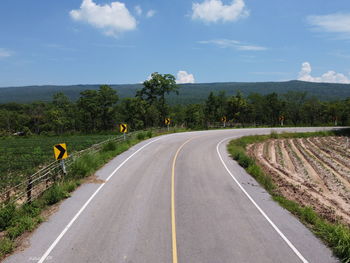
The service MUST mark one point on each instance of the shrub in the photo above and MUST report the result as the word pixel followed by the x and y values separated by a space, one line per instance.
pixel 22 224
pixel 6 215
pixel 6 246
pixel 84 166
pixel 109 147
pixel 274 135
pixel 54 194
pixel 33 209
pixel 141 136
pixel 245 161
pixel 70 186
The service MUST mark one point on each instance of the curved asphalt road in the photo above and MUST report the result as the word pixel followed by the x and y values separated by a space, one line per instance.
pixel 175 198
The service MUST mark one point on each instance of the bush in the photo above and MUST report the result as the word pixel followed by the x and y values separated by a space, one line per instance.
pixel 337 236
pixel 149 134
pixel 54 194
pixel 141 136
pixel 274 135
pixel 6 246
pixel 109 147
pixel 84 166
pixel 244 161
pixel 22 224
pixel 33 209
pixel 6 215
pixel 69 186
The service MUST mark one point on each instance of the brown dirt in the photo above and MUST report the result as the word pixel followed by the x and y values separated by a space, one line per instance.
pixel 313 172
pixel 93 180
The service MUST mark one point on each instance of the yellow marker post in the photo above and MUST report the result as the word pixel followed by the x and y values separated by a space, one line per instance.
pixel 60 152
pixel 282 120
pixel 167 122
pixel 224 119
pixel 123 127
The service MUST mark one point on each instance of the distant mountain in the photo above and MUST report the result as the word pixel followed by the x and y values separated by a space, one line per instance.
pixel 189 93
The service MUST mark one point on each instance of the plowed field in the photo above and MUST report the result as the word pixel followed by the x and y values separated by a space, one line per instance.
pixel 311 171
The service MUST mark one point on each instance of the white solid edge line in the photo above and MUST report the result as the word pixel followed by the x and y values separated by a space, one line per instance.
pixel 48 251
pixel 258 207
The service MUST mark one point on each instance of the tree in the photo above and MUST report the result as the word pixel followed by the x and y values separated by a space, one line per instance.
pixel 155 89
pixel 237 107
pixel 61 114
pixel 294 102
pixel 88 105
pixel 194 116
pixel 36 112
pixel 98 107
pixel 133 111
pixel 273 108
pixel 211 108
pixel 312 111
pixel 257 106
pixel 107 99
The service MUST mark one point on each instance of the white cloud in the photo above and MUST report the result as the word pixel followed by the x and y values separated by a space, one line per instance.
pixel 112 18
pixel 215 11
pixel 229 43
pixel 4 53
pixel 184 77
pixel 150 13
pixel 333 23
pixel 138 10
pixel 328 77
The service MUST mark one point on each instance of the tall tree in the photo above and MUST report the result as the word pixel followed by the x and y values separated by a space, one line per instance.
pixel 273 108
pixel 107 99
pixel 211 108
pixel 294 102
pixel 156 88
pixel 237 107
pixel 88 105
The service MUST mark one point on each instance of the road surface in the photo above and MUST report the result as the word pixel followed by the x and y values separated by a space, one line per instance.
pixel 174 198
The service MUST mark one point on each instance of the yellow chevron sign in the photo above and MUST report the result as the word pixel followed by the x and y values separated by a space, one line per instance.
pixel 60 151
pixel 123 127
pixel 167 121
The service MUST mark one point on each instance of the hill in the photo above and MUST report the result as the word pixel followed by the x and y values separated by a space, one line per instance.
pixel 189 93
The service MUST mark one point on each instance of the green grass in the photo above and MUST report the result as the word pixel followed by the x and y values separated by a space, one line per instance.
pixel 6 246
pixel 336 235
pixel 21 156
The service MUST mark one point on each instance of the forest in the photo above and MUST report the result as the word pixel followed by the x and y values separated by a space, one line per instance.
pixel 101 110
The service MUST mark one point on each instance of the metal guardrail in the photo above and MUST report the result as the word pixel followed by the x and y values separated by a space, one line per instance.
pixel 34 185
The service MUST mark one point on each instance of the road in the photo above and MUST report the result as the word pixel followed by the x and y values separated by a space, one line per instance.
pixel 174 198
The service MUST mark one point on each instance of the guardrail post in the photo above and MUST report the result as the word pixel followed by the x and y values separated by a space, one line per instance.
pixel 63 166
pixel 29 189
pixel 8 195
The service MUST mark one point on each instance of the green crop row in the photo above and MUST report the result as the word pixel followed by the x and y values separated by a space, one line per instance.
pixel 20 156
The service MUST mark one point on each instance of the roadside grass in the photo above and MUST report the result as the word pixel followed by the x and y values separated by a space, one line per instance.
pixel 16 220
pixel 335 235
pixel 21 156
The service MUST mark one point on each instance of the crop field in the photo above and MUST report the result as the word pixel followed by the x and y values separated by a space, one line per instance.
pixel 312 171
pixel 22 156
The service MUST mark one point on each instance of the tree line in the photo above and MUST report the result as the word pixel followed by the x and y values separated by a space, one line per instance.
pixel 101 110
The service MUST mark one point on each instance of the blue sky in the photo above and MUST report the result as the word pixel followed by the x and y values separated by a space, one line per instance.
pixel 104 41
